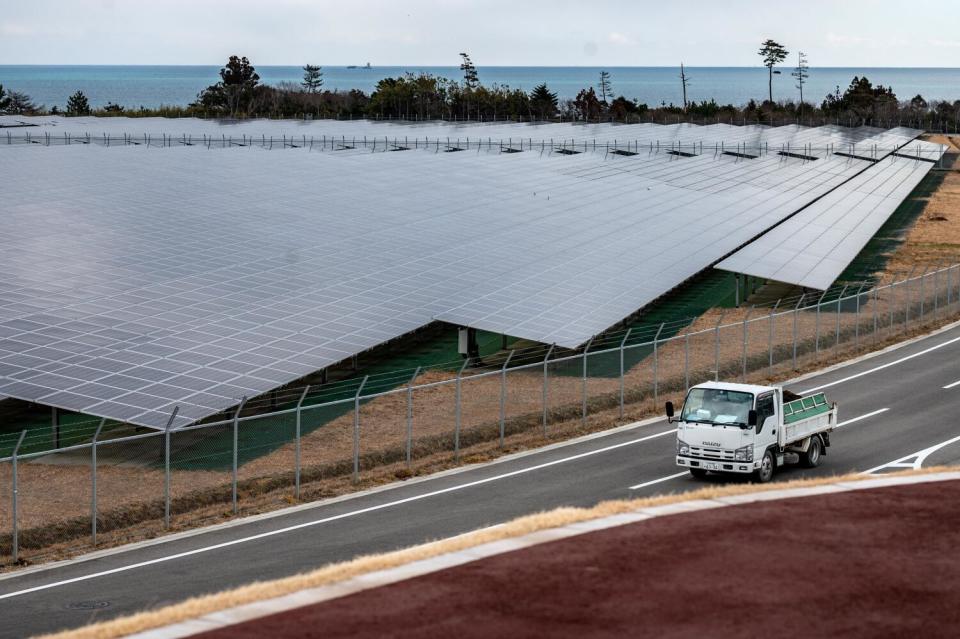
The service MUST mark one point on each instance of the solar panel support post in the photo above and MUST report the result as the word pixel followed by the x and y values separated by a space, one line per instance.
pixel 839 298
pixel 796 317
pixel 583 385
pixel 416 373
pixel 55 425
pixel 356 430
pixel 459 412
pixel 14 496
pixel 93 482
pixel 503 396
pixel 656 365
pixel 716 346
pixel 623 344
pixel 296 474
pixel 770 336
pixel 546 396
pixel 236 445
pixel 166 467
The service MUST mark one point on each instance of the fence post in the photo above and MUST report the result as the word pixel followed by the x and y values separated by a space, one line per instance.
pixel 356 430
pixel 623 344
pixel 546 397
pixel 746 319
pixel 819 304
pixel 876 304
pixel 656 365
pixel 716 346
pixel 936 291
pixel 949 291
pixel 922 296
pixel 93 482
pixel 907 300
pixel 770 337
pixel 416 373
pixel 166 467
pixel 856 329
pixel 686 360
pixel 16 451
pixel 236 446
pixel 839 298
pixel 796 316
pixel 583 409
pixel 296 473
pixel 456 430
pixel 503 396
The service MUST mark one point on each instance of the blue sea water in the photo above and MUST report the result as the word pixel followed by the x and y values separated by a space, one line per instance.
pixel 152 86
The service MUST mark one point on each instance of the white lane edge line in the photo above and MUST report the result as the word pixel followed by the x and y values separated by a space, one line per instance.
pixel 841 424
pixel 657 481
pixel 308 524
pixel 881 367
pixel 864 416
pixel 949 386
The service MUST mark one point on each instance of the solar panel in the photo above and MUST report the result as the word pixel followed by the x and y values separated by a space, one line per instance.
pixel 814 247
pixel 140 280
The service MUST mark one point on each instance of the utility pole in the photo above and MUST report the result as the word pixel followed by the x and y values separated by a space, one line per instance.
pixel 684 80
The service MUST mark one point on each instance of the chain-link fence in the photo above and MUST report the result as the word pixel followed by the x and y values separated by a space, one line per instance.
pixel 135 484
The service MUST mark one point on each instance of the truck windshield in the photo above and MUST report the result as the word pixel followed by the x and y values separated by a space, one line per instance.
pixel 717 406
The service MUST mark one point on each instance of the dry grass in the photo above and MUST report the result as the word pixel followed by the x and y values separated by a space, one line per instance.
pixel 338 572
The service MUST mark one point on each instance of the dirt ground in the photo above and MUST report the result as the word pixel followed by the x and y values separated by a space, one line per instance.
pixel 883 564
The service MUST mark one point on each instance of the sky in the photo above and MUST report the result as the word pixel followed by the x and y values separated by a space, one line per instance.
pixel 495 32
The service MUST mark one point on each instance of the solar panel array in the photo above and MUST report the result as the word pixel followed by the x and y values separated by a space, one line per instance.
pixel 813 248
pixel 138 281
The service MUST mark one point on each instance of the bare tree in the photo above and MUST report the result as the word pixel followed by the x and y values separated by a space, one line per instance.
pixel 801 73
pixel 773 53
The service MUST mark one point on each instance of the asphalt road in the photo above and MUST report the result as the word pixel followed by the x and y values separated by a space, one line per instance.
pixel 894 413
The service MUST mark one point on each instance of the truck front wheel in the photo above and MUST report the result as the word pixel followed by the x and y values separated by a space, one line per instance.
pixel 811 458
pixel 765 473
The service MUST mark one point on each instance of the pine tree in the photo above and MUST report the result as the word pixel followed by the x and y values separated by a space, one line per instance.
pixel 606 89
pixel 773 53
pixel 470 79
pixel 77 104
pixel 801 73
pixel 543 101
pixel 312 78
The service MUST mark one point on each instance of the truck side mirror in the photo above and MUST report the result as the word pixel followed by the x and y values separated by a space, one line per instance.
pixel 670 412
pixel 752 418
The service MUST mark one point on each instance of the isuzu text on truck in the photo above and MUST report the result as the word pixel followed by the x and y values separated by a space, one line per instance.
pixel 740 428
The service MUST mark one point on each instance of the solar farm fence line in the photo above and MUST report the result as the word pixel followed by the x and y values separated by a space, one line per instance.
pixel 740 150
pixel 191 475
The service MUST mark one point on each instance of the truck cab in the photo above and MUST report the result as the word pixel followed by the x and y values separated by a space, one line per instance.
pixel 748 429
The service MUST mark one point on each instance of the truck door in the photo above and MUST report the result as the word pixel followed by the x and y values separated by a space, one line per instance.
pixel 766 419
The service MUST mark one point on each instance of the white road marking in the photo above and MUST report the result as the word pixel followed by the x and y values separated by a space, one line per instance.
pixel 657 481
pixel 325 520
pixel 914 460
pixel 881 367
pixel 840 425
pixel 857 419
pixel 949 386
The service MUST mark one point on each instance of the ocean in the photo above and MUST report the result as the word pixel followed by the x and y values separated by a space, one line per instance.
pixel 152 86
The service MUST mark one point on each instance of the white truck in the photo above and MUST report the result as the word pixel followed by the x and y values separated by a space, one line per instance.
pixel 741 428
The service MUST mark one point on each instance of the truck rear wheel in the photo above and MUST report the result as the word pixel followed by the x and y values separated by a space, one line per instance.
pixel 765 473
pixel 811 458
pixel 698 473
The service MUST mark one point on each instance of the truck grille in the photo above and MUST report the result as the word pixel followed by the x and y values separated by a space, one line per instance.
pixel 711 453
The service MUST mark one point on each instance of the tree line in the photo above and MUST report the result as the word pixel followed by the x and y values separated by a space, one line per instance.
pixel 239 93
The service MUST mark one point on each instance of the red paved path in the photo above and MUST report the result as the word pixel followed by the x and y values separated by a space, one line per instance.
pixel 868 563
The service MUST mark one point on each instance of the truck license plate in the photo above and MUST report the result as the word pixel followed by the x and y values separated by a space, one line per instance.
pixel 712 466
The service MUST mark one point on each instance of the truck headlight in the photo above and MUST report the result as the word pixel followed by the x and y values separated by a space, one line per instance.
pixel 743 454
pixel 682 447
